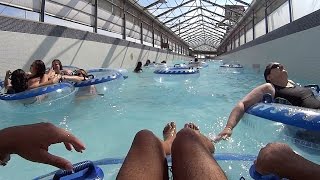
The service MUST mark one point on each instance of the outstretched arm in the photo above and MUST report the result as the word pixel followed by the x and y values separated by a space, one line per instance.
pixel 74 78
pixel 237 112
pixel 32 142
pixel 34 83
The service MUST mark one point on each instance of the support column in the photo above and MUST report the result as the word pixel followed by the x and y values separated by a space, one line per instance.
pixel 245 34
pixel 124 26
pixel 253 30
pixel 95 27
pixel 152 34
pixel 141 33
pixel 161 41
pixel 266 17
pixel 290 10
pixel 42 10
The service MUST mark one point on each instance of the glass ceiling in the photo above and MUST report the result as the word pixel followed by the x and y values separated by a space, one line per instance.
pixel 200 23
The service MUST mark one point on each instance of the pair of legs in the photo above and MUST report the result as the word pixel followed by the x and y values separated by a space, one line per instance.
pixel 191 156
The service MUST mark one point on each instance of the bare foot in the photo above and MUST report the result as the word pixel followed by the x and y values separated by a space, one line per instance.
pixel 169 134
pixel 204 140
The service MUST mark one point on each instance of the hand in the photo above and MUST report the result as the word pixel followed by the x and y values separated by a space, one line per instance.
pixel 8 73
pixel 273 159
pixel 69 72
pixel 51 73
pixel 56 79
pixel 32 142
pixel 226 133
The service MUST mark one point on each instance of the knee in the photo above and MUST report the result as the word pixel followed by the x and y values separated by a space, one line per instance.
pixel 144 136
pixel 272 152
pixel 185 133
pixel 275 148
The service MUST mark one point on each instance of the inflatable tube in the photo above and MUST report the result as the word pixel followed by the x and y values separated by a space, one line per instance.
pixel 231 66
pixel 124 72
pixel 42 99
pixel 35 92
pixel 176 75
pixel 257 176
pixel 85 170
pixel 113 161
pixel 305 118
pixel 101 75
pixel 180 66
pixel 176 71
pixel 104 80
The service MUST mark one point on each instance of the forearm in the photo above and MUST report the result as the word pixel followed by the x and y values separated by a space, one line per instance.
pixel 235 115
pixel 7 83
pixel 4 142
pixel 301 168
pixel 73 78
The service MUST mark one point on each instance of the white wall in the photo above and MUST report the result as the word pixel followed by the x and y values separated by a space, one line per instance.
pixel 301 8
pixel 19 50
pixel 299 53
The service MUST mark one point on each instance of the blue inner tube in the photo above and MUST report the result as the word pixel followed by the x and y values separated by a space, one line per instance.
pixel 35 92
pixel 176 71
pixel 83 170
pixel 257 176
pixel 231 66
pixel 110 75
pixel 113 161
pixel 305 118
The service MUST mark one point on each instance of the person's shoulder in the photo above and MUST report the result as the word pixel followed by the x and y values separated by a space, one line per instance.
pixel 264 88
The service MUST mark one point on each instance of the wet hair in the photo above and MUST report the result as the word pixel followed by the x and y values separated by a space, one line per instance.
pixel 147 62
pixel 40 68
pixel 268 70
pixel 57 60
pixel 195 59
pixel 19 81
pixel 84 73
pixel 138 67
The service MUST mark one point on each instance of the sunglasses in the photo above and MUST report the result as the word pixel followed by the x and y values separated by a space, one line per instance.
pixel 274 66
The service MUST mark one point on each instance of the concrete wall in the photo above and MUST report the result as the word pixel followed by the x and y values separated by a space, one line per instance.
pixel 298 49
pixel 23 41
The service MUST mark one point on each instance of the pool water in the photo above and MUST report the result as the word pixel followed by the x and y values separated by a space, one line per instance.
pixel 107 125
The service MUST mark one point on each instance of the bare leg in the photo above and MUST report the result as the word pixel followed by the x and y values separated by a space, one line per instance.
pixel 192 156
pixel 280 159
pixel 146 158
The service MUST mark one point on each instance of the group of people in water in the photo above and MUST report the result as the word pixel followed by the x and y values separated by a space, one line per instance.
pixel 38 76
pixel 191 151
pixel 138 68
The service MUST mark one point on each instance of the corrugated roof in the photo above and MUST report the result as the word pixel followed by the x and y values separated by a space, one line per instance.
pixel 200 23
